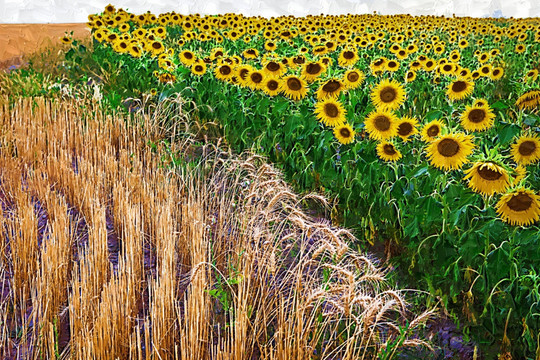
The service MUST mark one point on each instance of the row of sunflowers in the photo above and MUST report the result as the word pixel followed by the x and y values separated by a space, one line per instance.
pixel 425 130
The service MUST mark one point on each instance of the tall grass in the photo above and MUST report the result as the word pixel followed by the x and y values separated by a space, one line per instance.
pixel 114 245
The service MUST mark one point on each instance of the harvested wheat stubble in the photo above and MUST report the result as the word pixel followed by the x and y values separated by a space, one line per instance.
pixel 138 261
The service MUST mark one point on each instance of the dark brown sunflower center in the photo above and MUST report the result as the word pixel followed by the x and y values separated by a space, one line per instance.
pixel 405 129
pixel 382 123
pixel 272 85
pixel 410 74
pixel 331 110
pixel 429 64
pixel 392 64
pixel 345 132
pixel 496 72
pixel 477 115
pixel 520 202
pixel 348 55
pixel 294 84
pixel 389 149
pixel 251 52
pixel 448 147
pixel 225 70
pixel 485 70
pixel 459 86
pixel 243 73
pixel 156 45
pixel 488 174
pixel 526 148
pixel 447 67
pixel 402 53
pixel 256 77
pixel 273 66
pixel 353 76
pixel 198 68
pixel 331 86
pixel 188 55
pixel 378 62
pixel 299 60
pixel 313 68
pixel 388 94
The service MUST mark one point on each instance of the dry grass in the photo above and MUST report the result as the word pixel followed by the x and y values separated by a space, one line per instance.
pixel 106 253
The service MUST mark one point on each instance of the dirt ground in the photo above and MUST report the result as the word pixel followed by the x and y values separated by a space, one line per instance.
pixel 19 39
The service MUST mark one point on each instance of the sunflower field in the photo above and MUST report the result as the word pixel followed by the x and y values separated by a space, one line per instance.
pixel 425 130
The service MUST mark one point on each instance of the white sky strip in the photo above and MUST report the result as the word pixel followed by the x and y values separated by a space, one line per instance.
pixel 67 11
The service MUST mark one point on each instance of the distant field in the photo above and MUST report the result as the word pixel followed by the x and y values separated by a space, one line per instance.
pixel 19 39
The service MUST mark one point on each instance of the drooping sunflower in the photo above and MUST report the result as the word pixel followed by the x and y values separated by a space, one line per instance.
pixel 519 207
pixel 344 133
pixel 294 87
pixel 459 89
pixel 526 150
pixel 477 118
pixel 388 95
pixel 250 53
pixel 271 86
pixel 388 152
pixel 449 152
pixel 330 89
pixel 529 100
pixel 487 178
pixel 381 125
pixel 330 112
pixel 407 128
pixel 353 79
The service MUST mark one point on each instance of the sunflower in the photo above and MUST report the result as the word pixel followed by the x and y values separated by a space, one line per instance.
pixel 135 50
pixel 407 128
pixel 250 53
pixel 242 73
pixel 187 57
pixel 450 151
pixel 255 79
pixel 487 178
pixel 459 89
pixel 353 79
pixel 344 133
pixel 388 152
pixel 348 58
pixel 477 118
pixel 330 112
pixel 224 72
pixel 294 87
pixel 274 68
pixel 381 125
pixel 388 95
pixel 529 100
pixel 198 68
pixel 271 86
pixel 66 40
pixel 391 66
pixel 496 73
pixel 526 150
pixel 330 89
pixel 410 76
pixel 312 70
pixel 519 207
pixel 531 75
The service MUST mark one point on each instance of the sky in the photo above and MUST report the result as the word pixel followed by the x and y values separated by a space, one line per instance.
pixel 69 11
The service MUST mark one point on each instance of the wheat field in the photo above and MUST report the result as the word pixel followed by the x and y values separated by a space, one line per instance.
pixel 108 252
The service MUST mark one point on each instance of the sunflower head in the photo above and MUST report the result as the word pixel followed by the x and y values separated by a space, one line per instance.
pixel 388 95
pixel 344 133
pixel 330 89
pixel 477 118
pixel 388 152
pixel 487 178
pixel 449 152
pixel 519 207
pixel 407 128
pixel 353 79
pixel 459 89
pixel 529 100
pixel 330 112
pixel 381 125
pixel 526 150
pixel 432 130
pixel 294 87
